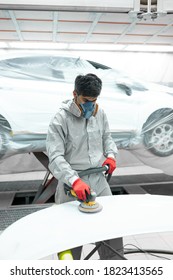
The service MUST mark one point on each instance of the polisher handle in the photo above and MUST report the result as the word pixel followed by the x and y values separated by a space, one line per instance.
pixel 93 170
pixel 69 191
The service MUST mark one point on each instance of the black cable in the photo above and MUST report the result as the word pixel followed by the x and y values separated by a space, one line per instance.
pixel 147 251
pixel 92 171
pixel 89 171
pixel 150 251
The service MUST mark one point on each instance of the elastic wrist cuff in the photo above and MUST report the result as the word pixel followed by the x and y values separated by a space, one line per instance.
pixel 111 156
pixel 73 179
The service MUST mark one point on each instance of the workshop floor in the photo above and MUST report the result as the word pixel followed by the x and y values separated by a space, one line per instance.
pixel 143 242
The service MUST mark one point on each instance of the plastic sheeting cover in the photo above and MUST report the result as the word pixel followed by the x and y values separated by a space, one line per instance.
pixel 33 87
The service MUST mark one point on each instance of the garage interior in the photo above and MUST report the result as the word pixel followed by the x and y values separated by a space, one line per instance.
pixel 92 26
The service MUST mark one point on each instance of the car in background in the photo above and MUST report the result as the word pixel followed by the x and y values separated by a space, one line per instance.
pixel 32 87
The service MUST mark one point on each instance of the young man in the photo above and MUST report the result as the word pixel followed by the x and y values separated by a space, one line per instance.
pixel 79 138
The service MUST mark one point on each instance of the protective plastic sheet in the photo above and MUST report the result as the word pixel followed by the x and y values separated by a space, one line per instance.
pixel 49 231
pixel 33 87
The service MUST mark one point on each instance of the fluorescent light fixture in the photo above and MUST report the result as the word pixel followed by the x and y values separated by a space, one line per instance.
pixel 65 46
pixel 148 48
pixel 98 47
pixel 3 45
pixel 23 45
pixel 84 47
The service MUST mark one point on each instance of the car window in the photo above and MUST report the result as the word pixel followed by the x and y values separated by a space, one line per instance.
pixel 120 77
pixel 71 67
pixel 69 63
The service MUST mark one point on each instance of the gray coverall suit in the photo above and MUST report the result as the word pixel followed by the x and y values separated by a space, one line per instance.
pixel 74 144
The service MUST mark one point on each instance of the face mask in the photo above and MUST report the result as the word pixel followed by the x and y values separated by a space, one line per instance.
pixel 88 109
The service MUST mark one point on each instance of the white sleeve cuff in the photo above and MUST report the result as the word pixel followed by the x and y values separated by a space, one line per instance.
pixel 73 179
pixel 111 155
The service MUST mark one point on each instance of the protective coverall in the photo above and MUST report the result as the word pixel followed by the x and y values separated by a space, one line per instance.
pixel 74 144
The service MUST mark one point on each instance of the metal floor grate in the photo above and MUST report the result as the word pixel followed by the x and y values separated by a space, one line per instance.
pixel 9 216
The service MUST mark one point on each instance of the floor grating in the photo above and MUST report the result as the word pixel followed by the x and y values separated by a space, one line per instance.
pixel 11 215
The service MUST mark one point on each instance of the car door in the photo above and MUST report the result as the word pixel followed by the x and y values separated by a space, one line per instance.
pixel 121 108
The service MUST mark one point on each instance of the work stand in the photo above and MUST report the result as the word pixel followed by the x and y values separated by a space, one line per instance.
pixel 48 186
pixel 103 243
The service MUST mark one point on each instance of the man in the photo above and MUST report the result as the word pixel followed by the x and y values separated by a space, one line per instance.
pixel 79 138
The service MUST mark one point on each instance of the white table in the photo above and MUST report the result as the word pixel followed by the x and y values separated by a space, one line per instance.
pixel 61 227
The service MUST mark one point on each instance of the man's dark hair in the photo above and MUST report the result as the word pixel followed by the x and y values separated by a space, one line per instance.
pixel 88 85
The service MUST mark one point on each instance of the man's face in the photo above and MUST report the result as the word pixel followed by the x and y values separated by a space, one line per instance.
pixel 80 99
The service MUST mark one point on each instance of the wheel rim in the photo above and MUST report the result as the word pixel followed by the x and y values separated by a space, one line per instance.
pixel 1 142
pixel 162 138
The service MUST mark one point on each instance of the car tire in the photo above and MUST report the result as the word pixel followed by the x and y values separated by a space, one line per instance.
pixel 158 132
pixel 5 130
pixel 3 142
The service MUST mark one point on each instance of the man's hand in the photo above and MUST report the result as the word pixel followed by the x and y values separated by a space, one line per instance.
pixel 81 188
pixel 111 163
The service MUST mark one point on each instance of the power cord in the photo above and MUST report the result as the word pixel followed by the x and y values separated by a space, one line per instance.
pixel 151 252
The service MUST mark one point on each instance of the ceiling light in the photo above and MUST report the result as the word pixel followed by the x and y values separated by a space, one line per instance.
pixel 23 45
pixel 149 48
pixel 98 47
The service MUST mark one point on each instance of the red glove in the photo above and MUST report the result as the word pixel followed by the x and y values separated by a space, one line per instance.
pixel 111 163
pixel 81 188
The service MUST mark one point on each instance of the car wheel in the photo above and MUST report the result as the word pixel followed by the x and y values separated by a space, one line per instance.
pixel 3 141
pixel 158 132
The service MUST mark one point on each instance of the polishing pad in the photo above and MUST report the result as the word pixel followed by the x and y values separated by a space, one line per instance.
pixel 90 209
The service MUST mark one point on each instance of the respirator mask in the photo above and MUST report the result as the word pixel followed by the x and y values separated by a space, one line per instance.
pixel 88 109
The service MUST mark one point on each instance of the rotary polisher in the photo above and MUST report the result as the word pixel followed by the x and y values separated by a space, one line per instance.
pixel 89 205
